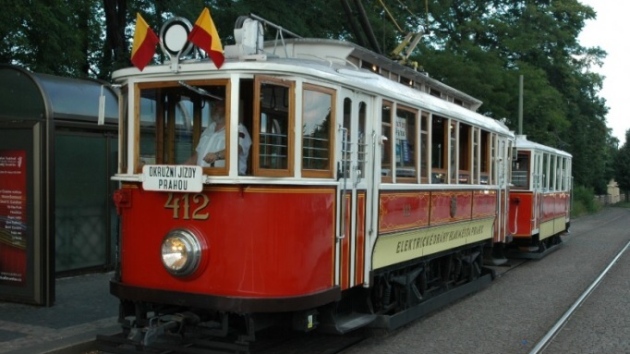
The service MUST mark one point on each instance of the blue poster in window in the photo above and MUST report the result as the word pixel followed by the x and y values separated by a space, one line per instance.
pixel 405 151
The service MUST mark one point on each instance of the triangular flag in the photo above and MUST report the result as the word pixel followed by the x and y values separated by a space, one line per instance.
pixel 144 43
pixel 205 36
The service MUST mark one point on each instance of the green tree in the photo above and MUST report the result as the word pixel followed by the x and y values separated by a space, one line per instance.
pixel 478 46
pixel 622 172
pixel 488 44
pixel 50 36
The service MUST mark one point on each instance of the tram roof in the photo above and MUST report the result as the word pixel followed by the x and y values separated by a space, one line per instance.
pixel 523 143
pixel 28 95
pixel 326 60
pixel 352 54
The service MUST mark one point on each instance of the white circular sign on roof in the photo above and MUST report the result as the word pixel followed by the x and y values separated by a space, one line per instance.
pixel 174 37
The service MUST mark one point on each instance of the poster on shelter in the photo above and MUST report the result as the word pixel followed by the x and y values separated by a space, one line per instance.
pixel 13 236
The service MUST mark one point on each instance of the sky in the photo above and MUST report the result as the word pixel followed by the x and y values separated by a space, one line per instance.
pixel 610 31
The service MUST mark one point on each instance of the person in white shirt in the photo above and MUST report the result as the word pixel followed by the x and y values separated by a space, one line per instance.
pixel 211 148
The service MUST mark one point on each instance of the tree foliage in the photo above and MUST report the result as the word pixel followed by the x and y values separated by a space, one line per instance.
pixel 478 46
pixel 622 173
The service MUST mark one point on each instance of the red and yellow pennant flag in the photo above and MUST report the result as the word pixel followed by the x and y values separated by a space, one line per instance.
pixel 205 36
pixel 144 43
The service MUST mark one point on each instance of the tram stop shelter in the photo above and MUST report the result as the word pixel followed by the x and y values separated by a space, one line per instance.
pixel 56 159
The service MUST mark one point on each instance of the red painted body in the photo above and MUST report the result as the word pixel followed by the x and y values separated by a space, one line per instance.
pixel 529 209
pixel 353 239
pixel 402 211
pixel 260 241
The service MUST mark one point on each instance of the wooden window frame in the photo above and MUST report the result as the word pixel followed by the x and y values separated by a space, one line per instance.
pixel 485 153
pixel 270 172
pixel 164 134
pixel 444 150
pixel 328 171
pixel 387 144
pixel 423 154
pixel 415 141
pixel 465 153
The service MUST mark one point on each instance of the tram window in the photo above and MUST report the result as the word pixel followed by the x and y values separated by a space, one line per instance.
pixel 560 174
pixel 424 146
pixel 552 172
pixel 545 172
pixel 474 171
pixel 484 177
pixel 465 142
pixel 438 149
pixel 346 137
pixel 563 173
pixel 362 142
pixel 172 117
pixel 317 131
pixel 360 138
pixel 520 171
pixel 453 132
pixel 538 171
pixel 406 143
pixel 272 153
pixel 386 147
pixel 122 134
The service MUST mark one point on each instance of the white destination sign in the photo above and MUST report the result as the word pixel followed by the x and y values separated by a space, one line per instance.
pixel 172 178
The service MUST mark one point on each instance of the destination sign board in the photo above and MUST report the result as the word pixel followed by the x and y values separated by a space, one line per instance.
pixel 172 178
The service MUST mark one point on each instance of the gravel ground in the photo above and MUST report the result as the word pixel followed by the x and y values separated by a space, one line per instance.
pixel 516 311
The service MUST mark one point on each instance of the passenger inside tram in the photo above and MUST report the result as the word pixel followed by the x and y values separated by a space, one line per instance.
pixel 211 149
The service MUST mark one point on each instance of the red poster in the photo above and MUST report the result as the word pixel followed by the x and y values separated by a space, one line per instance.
pixel 13 235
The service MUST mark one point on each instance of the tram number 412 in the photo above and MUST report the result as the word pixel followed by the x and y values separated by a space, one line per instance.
pixel 198 202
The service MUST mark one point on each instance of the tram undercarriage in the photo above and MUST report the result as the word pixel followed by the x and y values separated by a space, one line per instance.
pixel 411 290
pixel 399 295
pixel 534 248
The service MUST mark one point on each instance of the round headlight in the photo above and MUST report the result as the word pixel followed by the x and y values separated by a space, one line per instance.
pixel 181 252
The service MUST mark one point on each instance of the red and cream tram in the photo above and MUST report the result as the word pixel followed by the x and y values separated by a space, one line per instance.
pixel 368 189
pixel 540 198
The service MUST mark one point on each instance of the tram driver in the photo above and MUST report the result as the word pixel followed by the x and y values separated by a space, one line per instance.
pixel 210 151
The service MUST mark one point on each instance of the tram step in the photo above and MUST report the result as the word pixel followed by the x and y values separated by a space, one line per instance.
pixel 344 323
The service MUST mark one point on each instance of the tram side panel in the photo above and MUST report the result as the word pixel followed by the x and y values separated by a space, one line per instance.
pixel 415 224
pixel 261 241
pixel 521 214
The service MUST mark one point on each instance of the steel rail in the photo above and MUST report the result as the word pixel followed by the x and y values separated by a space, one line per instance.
pixel 563 320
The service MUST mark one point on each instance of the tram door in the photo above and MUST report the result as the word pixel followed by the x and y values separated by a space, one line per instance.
pixel 353 193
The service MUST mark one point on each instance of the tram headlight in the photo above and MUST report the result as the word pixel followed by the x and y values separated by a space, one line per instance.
pixel 181 252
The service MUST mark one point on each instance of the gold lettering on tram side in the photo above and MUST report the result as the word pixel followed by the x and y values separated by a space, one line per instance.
pixel 199 203
pixel 436 238
pixel 197 215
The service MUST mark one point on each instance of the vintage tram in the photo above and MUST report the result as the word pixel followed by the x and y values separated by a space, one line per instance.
pixel 540 198
pixel 347 190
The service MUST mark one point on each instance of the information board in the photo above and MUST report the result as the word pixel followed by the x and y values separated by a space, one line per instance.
pixel 13 229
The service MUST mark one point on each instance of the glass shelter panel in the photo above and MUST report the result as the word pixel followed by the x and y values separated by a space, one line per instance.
pixel 81 216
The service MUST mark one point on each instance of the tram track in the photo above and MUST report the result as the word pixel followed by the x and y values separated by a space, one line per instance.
pixel 553 331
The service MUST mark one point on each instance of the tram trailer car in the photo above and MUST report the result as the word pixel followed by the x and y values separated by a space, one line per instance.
pixel 370 188
pixel 540 199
